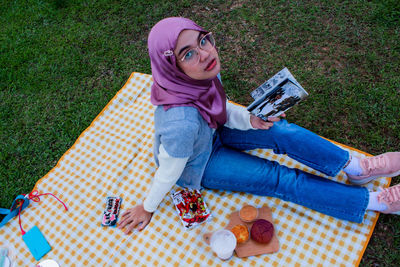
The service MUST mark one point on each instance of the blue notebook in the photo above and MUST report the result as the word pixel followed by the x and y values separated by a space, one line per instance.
pixel 36 243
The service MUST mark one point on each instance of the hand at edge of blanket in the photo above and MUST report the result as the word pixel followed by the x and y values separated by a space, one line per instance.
pixel 135 217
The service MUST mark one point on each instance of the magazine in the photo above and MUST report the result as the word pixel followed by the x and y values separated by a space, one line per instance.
pixel 191 207
pixel 277 95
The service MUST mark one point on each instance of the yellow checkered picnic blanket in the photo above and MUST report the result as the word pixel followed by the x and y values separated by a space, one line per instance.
pixel 113 157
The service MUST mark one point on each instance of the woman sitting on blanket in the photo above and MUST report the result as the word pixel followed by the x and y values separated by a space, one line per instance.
pixel 199 139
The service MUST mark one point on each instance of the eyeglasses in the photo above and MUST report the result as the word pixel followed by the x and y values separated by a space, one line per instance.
pixel 192 56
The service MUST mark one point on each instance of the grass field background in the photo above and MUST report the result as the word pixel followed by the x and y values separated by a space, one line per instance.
pixel 62 61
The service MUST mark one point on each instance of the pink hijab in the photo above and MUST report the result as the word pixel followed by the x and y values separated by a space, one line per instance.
pixel 172 87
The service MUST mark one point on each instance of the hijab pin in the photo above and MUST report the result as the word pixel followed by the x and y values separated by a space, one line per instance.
pixel 168 53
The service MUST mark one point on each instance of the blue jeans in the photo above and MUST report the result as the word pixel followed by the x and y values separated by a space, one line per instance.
pixel 231 169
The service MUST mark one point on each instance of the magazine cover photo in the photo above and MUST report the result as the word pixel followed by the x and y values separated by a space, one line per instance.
pixel 276 95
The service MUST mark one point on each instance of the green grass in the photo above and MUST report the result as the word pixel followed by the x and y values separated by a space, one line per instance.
pixel 62 61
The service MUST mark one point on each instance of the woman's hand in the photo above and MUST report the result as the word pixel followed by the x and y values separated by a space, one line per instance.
pixel 258 123
pixel 136 216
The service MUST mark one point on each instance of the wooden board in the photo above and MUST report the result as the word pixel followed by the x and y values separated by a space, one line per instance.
pixel 251 247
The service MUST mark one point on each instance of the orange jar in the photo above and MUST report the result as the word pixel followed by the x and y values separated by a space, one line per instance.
pixel 241 233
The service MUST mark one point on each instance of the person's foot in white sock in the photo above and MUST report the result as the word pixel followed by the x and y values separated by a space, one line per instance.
pixel 374 204
pixel 353 166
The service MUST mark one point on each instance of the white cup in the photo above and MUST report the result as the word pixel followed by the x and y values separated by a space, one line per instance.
pixel 48 263
pixel 223 243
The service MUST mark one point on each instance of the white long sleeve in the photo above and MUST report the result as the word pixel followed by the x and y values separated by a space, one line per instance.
pixel 238 117
pixel 168 172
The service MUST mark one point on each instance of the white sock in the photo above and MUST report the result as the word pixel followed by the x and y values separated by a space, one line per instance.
pixel 353 168
pixel 373 203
